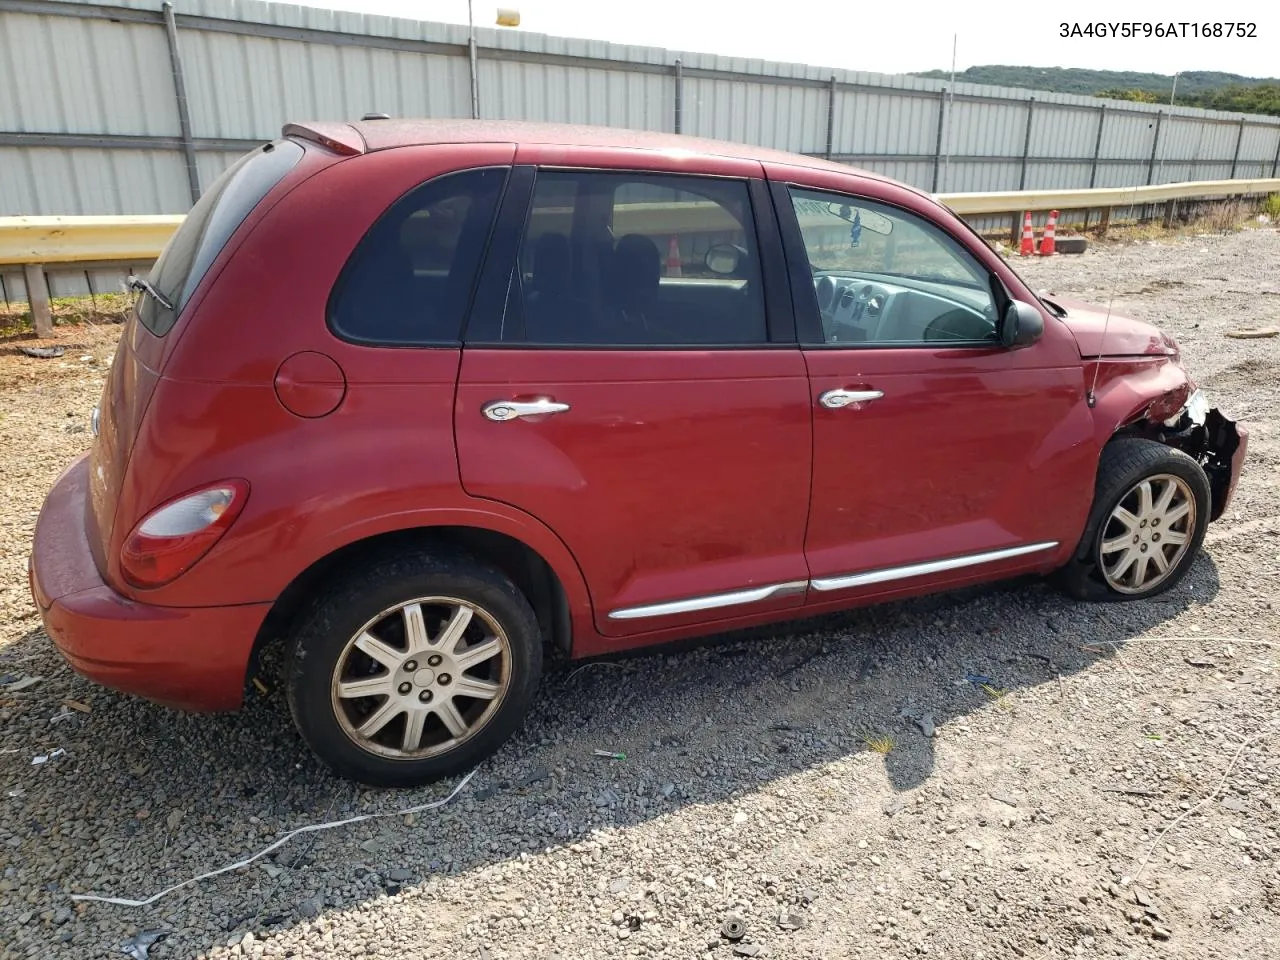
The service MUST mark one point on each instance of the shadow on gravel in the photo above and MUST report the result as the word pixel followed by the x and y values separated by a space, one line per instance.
pixel 146 798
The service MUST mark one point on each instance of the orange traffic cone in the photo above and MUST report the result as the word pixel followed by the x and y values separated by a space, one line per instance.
pixel 673 257
pixel 1046 244
pixel 1028 237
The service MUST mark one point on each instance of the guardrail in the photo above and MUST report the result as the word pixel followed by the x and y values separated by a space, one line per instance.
pixel 36 242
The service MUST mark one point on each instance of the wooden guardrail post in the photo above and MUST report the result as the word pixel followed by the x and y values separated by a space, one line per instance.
pixel 1170 211
pixel 1106 221
pixel 38 299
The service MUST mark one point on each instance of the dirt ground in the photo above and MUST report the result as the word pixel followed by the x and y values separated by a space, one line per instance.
pixel 1109 789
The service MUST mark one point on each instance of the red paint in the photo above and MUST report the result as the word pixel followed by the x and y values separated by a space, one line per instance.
pixel 674 474
pixel 310 384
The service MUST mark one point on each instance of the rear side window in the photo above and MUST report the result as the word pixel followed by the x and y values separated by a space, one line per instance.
pixel 410 279
pixel 208 227
pixel 630 259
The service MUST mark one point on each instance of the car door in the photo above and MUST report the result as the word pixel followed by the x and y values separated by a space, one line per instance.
pixel 939 453
pixel 650 409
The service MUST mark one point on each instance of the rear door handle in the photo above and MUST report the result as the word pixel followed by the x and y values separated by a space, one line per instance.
pixel 836 399
pixel 503 410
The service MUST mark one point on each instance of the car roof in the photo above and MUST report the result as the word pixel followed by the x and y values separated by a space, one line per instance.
pixel 372 135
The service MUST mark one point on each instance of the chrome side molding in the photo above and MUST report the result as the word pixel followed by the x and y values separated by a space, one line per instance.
pixel 756 594
pixel 923 569
pixel 709 602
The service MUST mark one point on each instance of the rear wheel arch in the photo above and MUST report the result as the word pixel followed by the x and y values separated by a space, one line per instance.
pixel 535 577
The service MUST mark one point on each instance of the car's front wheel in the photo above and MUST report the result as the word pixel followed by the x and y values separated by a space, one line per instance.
pixel 1150 511
pixel 413 668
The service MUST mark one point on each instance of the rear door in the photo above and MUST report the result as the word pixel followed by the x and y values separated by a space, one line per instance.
pixel 938 453
pixel 649 409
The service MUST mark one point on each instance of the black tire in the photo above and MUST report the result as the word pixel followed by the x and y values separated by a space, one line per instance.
pixel 348 603
pixel 1124 463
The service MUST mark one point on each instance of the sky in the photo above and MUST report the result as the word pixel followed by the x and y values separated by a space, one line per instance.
pixel 888 37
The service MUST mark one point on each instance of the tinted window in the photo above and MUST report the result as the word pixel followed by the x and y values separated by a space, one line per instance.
pixel 631 259
pixel 207 228
pixel 885 276
pixel 410 279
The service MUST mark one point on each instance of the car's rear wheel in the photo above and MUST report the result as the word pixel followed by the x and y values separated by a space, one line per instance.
pixel 413 668
pixel 1150 511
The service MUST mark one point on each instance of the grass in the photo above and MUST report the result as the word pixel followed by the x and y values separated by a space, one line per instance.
pixel 999 696
pixel 1271 207
pixel 15 316
pixel 880 743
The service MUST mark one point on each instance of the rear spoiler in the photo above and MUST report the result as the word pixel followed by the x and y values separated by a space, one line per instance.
pixel 339 137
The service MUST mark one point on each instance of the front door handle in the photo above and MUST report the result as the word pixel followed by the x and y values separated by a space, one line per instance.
pixel 836 399
pixel 503 410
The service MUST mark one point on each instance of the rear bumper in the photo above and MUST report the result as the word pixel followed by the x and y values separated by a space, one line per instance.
pixel 191 658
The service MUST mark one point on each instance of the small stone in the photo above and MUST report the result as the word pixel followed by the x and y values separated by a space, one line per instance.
pixel 740 817
pixel 399 875
pixel 973 845
pixel 747 949
pixel 369 846
pixel 1004 798
pixel 1161 933
pixel 926 726
pixel 1235 804
pixel 1235 833
pixel 790 921
pixel 709 881
pixel 620 885
pixel 311 907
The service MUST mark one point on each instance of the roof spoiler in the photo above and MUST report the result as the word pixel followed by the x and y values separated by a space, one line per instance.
pixel 339 137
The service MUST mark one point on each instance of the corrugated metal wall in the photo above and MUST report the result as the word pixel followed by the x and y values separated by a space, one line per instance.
pixel 90 124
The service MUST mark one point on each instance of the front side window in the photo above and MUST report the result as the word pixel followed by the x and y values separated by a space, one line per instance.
pixel 410 279
pixel 886 277
pixel 631 259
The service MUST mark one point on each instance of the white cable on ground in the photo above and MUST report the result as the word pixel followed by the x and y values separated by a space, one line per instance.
pixel 313 828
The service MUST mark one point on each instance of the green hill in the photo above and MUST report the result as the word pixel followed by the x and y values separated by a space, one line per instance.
pixel 1196 88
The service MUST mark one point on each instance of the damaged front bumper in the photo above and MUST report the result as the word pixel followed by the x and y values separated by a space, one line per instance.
pixel 1218 444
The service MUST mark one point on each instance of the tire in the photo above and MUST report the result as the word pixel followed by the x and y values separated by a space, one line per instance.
pixel 1124 465
pixel 357 705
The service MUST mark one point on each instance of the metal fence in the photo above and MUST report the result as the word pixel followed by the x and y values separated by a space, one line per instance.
pixel 130 107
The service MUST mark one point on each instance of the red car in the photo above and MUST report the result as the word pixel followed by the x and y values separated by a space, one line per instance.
pixel 417 399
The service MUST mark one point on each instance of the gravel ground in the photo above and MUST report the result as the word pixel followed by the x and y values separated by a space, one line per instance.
pixel 1112 793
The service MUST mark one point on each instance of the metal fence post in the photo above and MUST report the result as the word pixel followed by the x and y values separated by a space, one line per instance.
pixel 679 96
pixel 1235 159
pixel 1097 146
pixel 937 148
pixel 831 116
pixel 38 299
pixel 1275 164
pixel 180 92
pixel 1026 144
pixel 1155 142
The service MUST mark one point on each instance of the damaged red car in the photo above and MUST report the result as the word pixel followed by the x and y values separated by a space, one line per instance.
pixel 411 402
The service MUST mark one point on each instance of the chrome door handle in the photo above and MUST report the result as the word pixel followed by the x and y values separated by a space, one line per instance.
pixel 503 410
pixel 835 399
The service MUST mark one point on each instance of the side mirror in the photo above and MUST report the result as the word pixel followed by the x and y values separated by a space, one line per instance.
pixel 724 259
pixel 1021 325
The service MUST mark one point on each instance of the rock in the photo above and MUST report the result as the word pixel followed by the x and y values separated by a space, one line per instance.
pixel 620 885
pixel 1161 933
pixel 740 817
pixel 606 797
pixel 1004 798
pixel 925 723
pixel 400 875
pixel 667 790
pixel 1235 804
pixel 747 949
pixel 973 845
pixel 311 907
pixel 370 846
pixel 790 921
pixel 1235 833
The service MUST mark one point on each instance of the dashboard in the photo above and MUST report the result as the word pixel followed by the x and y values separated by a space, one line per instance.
pixel 859 308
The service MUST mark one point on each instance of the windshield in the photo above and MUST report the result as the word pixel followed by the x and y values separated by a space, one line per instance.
pixel 207 228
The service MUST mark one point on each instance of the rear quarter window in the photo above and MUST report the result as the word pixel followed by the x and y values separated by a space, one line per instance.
pixel 410 279
pixel 207 228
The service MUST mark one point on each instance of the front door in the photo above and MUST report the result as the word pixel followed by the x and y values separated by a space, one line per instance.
pixel 936 450
pixel 635 394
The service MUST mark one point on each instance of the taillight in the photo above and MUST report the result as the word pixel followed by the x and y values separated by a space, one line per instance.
pixel 171 538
